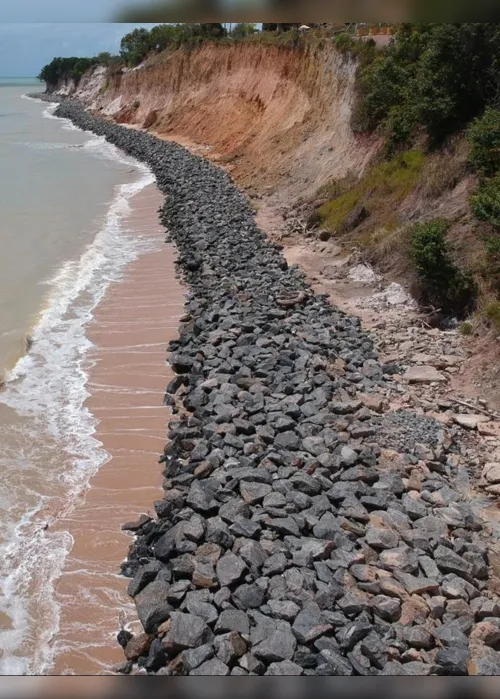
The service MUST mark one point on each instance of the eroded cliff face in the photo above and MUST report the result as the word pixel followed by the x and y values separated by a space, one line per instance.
pixel 275 116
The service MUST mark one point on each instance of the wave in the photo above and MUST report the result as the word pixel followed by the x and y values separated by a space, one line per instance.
pixel 50 440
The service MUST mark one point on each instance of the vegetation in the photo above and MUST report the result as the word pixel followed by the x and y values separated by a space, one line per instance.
pixel 444 285
pixel 492 312
pixel 382 188
pixel 485 202
pixel 484 138
pixel 65 69
pixel 435 77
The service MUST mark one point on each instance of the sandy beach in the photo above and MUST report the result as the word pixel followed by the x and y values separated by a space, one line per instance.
pixel 127 376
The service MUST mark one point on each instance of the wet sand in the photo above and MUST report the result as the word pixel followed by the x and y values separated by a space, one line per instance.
pixel 127 377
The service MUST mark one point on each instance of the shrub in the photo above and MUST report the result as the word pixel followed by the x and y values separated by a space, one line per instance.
pixel 484 137
pixel 485 203
pixel 493 314
pixel 465 329
pixel 343 42
pixel 445 286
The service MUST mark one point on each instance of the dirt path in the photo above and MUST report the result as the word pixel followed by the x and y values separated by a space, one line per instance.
pixel 434 371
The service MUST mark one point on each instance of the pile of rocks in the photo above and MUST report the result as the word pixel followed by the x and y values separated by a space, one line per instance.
pixel 286 544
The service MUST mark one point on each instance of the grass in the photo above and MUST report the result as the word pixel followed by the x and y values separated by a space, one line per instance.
pixel 466 329
pixel 492 312
pixel 381 190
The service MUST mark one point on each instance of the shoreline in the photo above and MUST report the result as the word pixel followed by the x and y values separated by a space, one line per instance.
pixel 304 530
pixel 126 378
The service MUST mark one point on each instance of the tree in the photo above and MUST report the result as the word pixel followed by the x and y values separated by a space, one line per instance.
pixel 243 29
pixel 134 47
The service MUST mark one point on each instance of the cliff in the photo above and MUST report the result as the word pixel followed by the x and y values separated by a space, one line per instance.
pixel 271 114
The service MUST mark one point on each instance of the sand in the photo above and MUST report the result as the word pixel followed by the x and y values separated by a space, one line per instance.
pixel 127 377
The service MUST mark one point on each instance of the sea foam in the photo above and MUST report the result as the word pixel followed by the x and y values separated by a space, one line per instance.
pixel 54 441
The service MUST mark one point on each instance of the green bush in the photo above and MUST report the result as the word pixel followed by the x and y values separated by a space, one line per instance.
pixel 442 75
pixel 444 285
pixel 493 314
pixel 485 202
pixel 484 137
pixel 343 42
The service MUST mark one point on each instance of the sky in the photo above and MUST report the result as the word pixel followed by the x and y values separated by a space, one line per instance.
pixel 26 48
pixel 62 10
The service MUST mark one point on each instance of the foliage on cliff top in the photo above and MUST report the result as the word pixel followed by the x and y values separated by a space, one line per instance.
pixel 435 77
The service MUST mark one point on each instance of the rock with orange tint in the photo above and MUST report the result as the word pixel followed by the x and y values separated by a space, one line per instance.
pixel 137 646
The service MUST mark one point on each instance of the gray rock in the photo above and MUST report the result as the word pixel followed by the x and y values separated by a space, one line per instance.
pixel 204 610
pixel 250 663
pixel 230 568
pixel 212 667
pixel 145 575
pixel 229 647
pixel 246 528
pixel 186 631
pixel 152 606
pixel 285 668
pixel 453 661
pixel 381 537
pixel 331 662
pixel 253 493
pixel 193 658
pixel 253 554
pixel 352 633
pixel 413 668
pixel 279 646
pixel 449 562
pixel 248 597
pixel 288 441
pixel 451 636
pixel 233 620
pixel 284 525
pixel 309 625
pixel 283 609
pixel 387 608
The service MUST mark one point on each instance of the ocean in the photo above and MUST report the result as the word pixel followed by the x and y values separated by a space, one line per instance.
pixel 64 200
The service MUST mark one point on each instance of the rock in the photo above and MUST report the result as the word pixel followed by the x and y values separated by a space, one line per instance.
pixel 485 663
pixel 254 492
pixel 487 632
pixel 233 620
pixel 137 646
pixel 283 609
pixel 352 633
pixel 230 568
pixel 451 636
pixel 211 667
pixel 415 585
pixel 230 647
pixel 279 646
pixel 381 537
pixel 186 631
pixel 471 422
pixel 248 597
pixel 415 668
pixel 309 625
pixel 453 661
pixel 492 473
pixel 204 574
pixel 387 608
pixel 250 663
pixel 423 374
pixel 331 662
pixel 285 668
pixel 253 554
pixel 152 606
pixel 195 657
